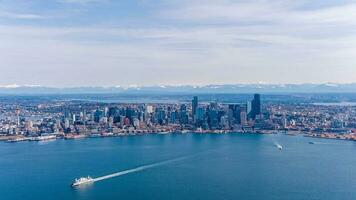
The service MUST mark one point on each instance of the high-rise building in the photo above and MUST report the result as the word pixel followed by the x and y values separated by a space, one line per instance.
pixel 183 118
pixel 97 115
pixel 74 119
pixel 243 118
pixel 112 111
pixel 200 116
pixel 194 106
pixel 173 117
pixel 18 116
pixel 111 121
pixel 149 109
pixel 234 112
pixel 256 106
pixel 66 123
pixel 28 125
pixel 249 107
pixel 106 111
pixel 213 119
pixel 160 115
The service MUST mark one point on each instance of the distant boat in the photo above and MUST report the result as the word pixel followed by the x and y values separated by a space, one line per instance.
pixel 311 142
pixel 279 146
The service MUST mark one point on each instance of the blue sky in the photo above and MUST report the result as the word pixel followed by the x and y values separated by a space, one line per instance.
pixel 66 43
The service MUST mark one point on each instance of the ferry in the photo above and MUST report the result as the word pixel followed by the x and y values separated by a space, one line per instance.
pixel 82 181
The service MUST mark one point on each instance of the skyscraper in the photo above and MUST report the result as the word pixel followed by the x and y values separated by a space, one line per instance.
pixel 200 116
pixel 194 106
pixel 243 115
pixel 18 116
pixel 183 114
pixel 213 119
pixel 97 115
pixel 256 106
pixel 249 107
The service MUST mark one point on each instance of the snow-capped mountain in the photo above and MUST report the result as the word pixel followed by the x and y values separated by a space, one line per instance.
pixel 227 88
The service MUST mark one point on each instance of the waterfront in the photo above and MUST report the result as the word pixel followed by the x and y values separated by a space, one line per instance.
pixel 227 166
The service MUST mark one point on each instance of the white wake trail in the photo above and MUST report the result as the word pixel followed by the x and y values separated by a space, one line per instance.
pixel 140 168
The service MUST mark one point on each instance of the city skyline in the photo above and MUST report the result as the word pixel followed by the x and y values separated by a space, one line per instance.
pixel 177 99
pixel 61 118
pixel 68 43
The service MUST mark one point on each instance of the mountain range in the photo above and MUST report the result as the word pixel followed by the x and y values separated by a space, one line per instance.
pixel 184 89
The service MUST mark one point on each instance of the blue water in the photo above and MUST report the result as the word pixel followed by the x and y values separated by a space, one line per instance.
pixel 230 166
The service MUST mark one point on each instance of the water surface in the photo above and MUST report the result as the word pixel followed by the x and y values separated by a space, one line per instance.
pixel 230 166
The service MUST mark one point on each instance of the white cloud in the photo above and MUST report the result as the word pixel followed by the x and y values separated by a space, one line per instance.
pixel 25 16
pixel 82 1
pixel 206 43
pixel 259 11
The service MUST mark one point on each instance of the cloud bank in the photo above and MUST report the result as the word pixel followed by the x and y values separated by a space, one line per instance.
pixel 76 42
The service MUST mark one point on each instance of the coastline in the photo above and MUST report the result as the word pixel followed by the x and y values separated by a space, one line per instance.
pixel 74 136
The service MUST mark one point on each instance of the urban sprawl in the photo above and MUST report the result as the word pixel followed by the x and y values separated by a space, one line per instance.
pixel 77 119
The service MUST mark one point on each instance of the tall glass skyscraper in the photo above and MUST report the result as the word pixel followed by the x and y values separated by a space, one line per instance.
pixel 194 106
pixel 256 106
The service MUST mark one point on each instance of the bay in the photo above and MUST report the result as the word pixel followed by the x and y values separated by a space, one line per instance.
pixel 204 166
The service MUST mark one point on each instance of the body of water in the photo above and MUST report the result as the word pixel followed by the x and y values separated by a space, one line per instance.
pixel 187 166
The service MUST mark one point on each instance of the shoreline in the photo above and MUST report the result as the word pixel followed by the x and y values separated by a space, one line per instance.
pixel 74 136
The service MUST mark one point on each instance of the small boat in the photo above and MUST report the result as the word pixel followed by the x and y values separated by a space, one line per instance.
pixel 164 133
pixel 311 142
pixel 279 146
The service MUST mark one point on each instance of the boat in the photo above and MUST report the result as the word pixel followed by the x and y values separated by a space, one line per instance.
pixel 279 146
pixel 82 181
pixel 164 132
pixel 311 142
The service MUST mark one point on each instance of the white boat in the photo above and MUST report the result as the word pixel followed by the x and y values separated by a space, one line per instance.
pixel 164 132
pixel 279 146
pixel 82 181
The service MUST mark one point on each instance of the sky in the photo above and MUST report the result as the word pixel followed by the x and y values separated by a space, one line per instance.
pixel 69 43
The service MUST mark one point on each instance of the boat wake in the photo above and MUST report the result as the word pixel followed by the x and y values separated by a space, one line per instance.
pixel 140 168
